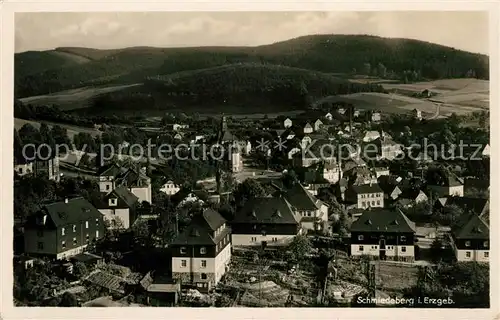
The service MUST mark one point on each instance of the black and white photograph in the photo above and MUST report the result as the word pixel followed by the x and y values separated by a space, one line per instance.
pixel 251 159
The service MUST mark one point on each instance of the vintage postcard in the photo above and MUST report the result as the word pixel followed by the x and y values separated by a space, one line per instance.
pixel 249 159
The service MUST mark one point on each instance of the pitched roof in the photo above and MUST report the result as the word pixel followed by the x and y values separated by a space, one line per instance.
pixel 123 193
pixel 62 213
pixel 366 188
pixel 300 198
pixel 201 229
pixel 111 170
pixel 133 178
pixel 377 220
pixel 474 205
pixel 472 227
pixel 266 210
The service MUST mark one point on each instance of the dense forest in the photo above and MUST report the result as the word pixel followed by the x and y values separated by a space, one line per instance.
pixel 351 54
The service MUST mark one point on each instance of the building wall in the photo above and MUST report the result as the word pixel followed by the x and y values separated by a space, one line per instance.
pixel 256 239
pixel 170 189
pixel 391 251
pixel 448 191
pixel 49 241
pixel 106 186
pixel 288 123
pixel 122 214
pixel 475 255
pixel 332 176
pixel 377 201
pixel 143 193
pixel 23 169
pixel 71 252
pixel 222 262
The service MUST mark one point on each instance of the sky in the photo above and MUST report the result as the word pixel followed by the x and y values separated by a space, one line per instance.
pixel 465 30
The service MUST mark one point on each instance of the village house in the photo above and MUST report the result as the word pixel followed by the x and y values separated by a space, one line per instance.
pixel 287 123
pixel 185 196
pixel 313 212
pixel 265 221
pixel 445 183
pixel 376 117
pixel 386 234
pixel 137 182
pixel 381 171
pixel 176 127
pixel 328 116
pixel 318 124
pixel 23 168
pixel 119 208
pixel 48 169
pixel 170 188
pixel 417 114
pixel 366 196
pixel 308 128
pixel 63 229
pixel 202 252
pixel 471 239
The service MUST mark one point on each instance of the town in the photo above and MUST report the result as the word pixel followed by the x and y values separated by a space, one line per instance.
pixel 294 211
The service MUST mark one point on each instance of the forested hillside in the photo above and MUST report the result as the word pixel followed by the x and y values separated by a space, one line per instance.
pixel 403 59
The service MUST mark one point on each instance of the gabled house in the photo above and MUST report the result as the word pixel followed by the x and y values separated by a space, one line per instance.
pixel 23 168
pixel 113 176
pixel 186 196
pixel 313 212
pixel 318 124
pixel 48 169
pixel 471 239
pixel 287 123
pixel 365 196
pixel 62 229
pixel 386 148
pixel 170 188
pixel 417 114
pixel 376 117
pixel 444 183
pixel 386 234
pixel 119 206
pixel 308 128
pixel 202 252
pixel 265 221
pixel 329 116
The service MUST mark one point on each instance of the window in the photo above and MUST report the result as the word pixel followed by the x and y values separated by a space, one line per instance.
pixel 63 231
pixel 74 241
pixel 97 221
pixel 361 248
pixel 403 238
pixel 74 228
pixel 361 237
pixel 20 170
pixel 87 238
pixel 183 263
pixel 107 187
pixel 86 224
pixel 63 244
pixel 40 245
pixel 486 254
pixel 467 254
pixel 254 239
pixel 373 203
pixel 39 233
pixel 183 250
pixel 203 263
pixel 204 276
pixel 97 234
pixel 203 250
pixel 112 202
pixel 363 204
pixel 486 244
pixel 308 213
pixel 467 243
pixel 378 202
pixel 403 249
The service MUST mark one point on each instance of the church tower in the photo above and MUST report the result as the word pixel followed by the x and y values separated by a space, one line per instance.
pixel 223 124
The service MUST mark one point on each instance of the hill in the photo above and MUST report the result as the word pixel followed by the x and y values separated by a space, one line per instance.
pixel 403 59
pixel 244 85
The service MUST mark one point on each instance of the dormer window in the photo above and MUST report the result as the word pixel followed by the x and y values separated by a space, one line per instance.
pixel 203 250
pixel 63 231
pixel 183 250
pixel 403 238
pixel 74 228
pixel 486 244
pixel 467 243
pixel 360 237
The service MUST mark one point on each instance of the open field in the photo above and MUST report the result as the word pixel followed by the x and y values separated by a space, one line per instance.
pixel 72 130
pixel 75 98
